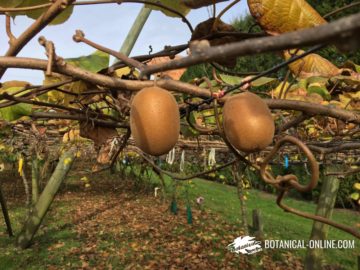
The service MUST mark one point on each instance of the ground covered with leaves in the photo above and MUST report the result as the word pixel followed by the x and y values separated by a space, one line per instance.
pixel 114 225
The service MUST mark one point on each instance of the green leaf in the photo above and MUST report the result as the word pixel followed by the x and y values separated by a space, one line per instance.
pixel 317 79
pixel 355 196
pixel 357 68
pixel 173 4
pixel 34 14
pixel 233 80
pixel 200 3
pixel 348 80
pixel 263 81
pixel 352 65
pixel 11 87
pixel 10 3
pixel 209 117
pixel 302 83
pixel 319 89
pixel 193 116
pixel 93 62
pixel 206 85
pixel 15 112
pixel 187 131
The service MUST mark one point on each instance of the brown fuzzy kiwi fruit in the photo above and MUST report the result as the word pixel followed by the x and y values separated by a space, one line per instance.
pixel 154 120
pixel 247 121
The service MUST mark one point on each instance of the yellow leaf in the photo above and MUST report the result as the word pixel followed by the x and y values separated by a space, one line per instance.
pixel 72 135
pixel 20 166
pixel 277 91
pixel 357 186
pixel 78 154
pixel 280 16
pixel 311 65
pixel 67 161
pixel 11 84
pixel 125 71
pixel 85 179
pixel 66 137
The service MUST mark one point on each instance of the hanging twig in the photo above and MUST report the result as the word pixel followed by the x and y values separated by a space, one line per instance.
pixel 8 30
pixel 50 53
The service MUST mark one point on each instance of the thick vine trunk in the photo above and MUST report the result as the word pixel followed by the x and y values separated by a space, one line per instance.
pixel 238 171
pixel 330 186
pixel 5 212
pixel 25 182
pixel 40 209
pixel 35 178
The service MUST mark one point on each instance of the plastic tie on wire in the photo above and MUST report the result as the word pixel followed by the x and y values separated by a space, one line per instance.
pixel 218 94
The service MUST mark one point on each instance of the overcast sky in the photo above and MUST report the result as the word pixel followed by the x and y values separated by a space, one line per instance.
pixel 106 24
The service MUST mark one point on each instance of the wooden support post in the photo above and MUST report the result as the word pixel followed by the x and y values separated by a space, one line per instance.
pixel 257 223
pixel 40 209
pixel 329 189
pixel 35 178
pixel 238 172
pixel 135 31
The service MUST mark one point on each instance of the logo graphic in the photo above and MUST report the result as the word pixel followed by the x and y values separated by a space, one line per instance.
pixel 245 245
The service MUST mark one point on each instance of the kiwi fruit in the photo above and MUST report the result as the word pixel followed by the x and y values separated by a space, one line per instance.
pixel 247 121
pixel 154 120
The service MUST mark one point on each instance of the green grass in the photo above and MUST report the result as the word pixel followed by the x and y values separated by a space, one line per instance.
pixel 43 253
pixel 278 224
pixel 219 198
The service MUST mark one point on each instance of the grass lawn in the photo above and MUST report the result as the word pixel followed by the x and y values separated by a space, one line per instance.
pixel 278 224
pixel 109 226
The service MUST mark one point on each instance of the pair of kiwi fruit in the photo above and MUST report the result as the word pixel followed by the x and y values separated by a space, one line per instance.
pixel 155 121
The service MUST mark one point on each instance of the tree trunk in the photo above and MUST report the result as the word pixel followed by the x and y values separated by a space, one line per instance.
pixel 135 31
pixel 5 212
pixel 40 209
pixel 25 182
pixel 329 189
pixel 238 171
pixel 258 225
pixel 35 178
